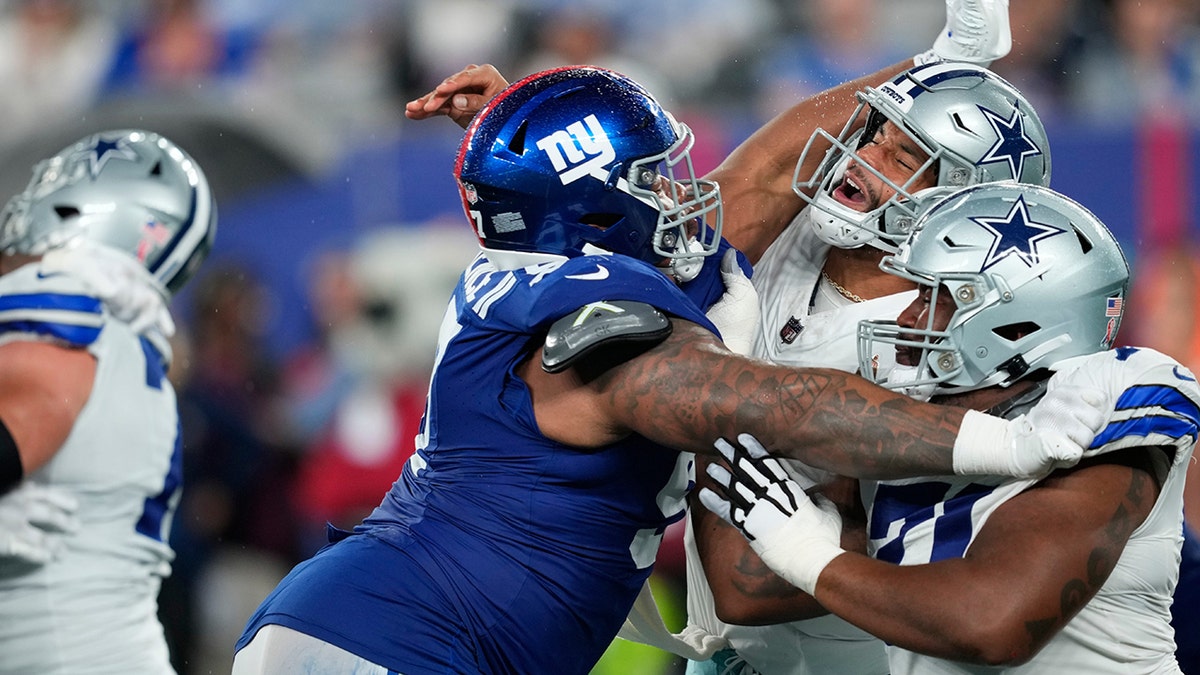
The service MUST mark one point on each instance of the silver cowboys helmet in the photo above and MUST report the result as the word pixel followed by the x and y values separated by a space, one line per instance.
pixel 1035 278
pixel 975 127
pixel 129 189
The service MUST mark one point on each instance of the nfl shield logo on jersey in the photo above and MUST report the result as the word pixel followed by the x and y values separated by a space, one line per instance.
pixel 791 330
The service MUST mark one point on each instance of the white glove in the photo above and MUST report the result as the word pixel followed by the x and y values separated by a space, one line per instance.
pixel 33 520
pixel 795 535
pixel 976 31
pixel 736 313
pixel 1051 435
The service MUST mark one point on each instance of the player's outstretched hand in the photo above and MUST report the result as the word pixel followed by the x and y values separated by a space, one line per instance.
pixel 976 31
pixel 459 96
pixel 33 520
pixel 794 534
pixel 1052 435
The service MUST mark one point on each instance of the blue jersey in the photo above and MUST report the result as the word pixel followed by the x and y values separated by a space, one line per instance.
pixel 499 550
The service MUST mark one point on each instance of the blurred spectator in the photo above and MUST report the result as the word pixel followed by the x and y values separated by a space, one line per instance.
pixel 448 34
pixel 340 64
pixel 1047 37
pixel 177 46
pixel 236 474
pixel 1146 59
pixel 572 35
pixel 53 58
pixel 705 47
pixel 828 42
pixel 361 388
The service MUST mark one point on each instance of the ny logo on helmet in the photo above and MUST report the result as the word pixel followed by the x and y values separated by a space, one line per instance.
pixel 581 149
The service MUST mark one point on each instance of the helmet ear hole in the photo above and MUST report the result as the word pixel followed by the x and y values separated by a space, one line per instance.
pixel 1085 244
pixel 157 169
pixel 66 212
pixel 517 144
pixel 1015 331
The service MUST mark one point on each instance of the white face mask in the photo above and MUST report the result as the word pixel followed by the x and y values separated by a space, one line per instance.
pixel 899 375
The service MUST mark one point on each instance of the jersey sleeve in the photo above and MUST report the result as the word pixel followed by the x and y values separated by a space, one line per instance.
pixel 530 299
pixel 1157 401
pixel 55 307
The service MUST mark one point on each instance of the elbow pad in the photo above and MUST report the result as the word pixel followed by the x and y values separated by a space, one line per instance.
pixel 600 324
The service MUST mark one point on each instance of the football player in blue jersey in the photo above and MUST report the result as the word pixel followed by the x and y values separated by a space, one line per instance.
pixel 1020 291
pixel 578 367
pixel 815 212
pixel 90 452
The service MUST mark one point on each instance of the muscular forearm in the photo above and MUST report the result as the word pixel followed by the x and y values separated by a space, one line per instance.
pixel 689 391
pixel 925 609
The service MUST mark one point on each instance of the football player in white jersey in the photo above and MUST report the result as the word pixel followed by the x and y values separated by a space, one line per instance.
pixel 1021 292
pixel 90 453
pixel 933 125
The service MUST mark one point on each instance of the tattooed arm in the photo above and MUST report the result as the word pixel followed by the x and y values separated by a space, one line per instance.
pixel 689 390
pixel 1037 561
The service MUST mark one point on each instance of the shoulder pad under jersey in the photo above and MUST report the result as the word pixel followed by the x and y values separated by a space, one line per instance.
pixel 601 323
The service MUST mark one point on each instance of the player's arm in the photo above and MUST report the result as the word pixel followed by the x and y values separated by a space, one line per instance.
pixel 43 387
pixel 687 390
pixel 756 178
pixel 745 590
pixel 1039 559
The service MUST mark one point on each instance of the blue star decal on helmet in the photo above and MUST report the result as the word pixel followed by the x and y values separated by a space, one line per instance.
pixel 102 150
pixel 1012 144
pixel 1015 235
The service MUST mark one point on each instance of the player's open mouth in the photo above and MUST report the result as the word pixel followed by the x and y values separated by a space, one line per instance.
pixel 850 192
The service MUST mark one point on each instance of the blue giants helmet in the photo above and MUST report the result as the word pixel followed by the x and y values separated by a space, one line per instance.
pixel 581 160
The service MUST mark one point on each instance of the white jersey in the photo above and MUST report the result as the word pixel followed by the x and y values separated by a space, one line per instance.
pixel 94 609
pixel 1126 627
pixel 804 323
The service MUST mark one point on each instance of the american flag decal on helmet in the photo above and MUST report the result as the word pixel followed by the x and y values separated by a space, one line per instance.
pixel 1114 306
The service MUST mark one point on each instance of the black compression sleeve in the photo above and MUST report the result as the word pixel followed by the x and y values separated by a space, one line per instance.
pixel 11 471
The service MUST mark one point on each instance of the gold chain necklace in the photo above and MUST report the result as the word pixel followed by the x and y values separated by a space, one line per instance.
pixel 853 297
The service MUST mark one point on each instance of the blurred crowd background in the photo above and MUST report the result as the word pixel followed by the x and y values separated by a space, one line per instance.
pixel 306 343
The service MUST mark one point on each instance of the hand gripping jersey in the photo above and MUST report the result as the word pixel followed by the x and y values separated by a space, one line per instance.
pixel 94 609
pixel 1126 627
pixel 794 332
pixel 499 550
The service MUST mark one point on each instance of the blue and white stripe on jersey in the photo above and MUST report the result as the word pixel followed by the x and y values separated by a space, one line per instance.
pixel 74 319
pixel 1154 414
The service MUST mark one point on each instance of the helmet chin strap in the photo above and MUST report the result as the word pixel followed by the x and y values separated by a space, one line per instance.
pixel 900 375
pixel 684 270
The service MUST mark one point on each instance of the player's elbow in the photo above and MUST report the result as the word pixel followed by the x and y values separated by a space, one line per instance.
pixel 766 605
pixel 996 642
